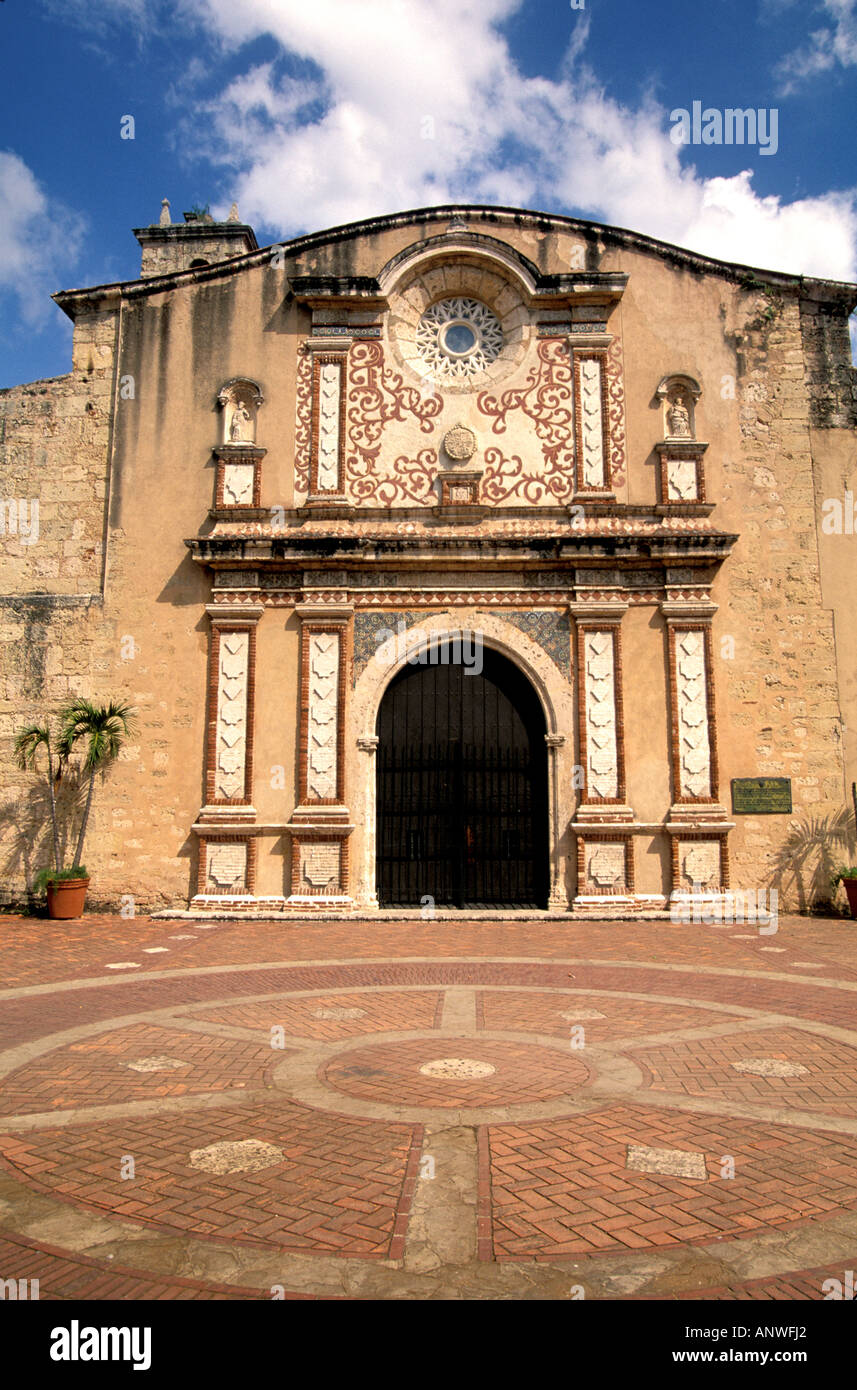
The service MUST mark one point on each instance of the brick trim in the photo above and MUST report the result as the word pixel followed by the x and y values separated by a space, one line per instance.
pixel 219 627
pixel 677 836
pixel 611 625
pixel 202 889
pixel 702 625
pixel 580 355
pixel 315 495
pixel 340 628
pixel 598 839
pixel 319 836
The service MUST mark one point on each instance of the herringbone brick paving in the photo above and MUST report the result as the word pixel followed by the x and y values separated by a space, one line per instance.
pixel 381 1013
pixel 703 1067
pixel 338 1189
pixel 562 1188
pixel 545 1013
pixel 346 1183
pixel 96 1071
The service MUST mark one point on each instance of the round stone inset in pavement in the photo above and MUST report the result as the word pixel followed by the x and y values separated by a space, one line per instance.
pixel 244 1156
pixel 478 1072
pixel 457 1068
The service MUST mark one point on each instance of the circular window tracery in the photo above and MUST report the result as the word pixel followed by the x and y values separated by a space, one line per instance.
pixel 458 338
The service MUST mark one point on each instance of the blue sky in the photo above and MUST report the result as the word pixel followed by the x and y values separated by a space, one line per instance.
pixel 311 114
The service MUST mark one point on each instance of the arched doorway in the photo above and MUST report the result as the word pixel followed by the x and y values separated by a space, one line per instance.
pixel 462 785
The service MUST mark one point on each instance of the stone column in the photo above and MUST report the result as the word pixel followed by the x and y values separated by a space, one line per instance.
pixel 225 825
pixel 320 822
pixel 605 859
pixel 591 414
pixel 327 430
pixel 558 900
pixel 697 823
pixel 369 745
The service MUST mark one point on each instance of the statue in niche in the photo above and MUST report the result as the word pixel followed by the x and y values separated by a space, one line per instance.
pixel 239 428
pixel 678 419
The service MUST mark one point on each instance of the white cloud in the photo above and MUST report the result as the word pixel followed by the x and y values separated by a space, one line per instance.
pixel 36 237
pixel 834 45
pixel 420 102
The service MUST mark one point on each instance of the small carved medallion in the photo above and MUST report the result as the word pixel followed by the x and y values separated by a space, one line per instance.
pixel 459 443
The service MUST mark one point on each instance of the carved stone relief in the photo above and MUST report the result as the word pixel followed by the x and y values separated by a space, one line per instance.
pixel 240 400
pixel 226 867
pixel 319 868
pixel 601 749
pixel 693 745
pixel 231 740
pixel 681 480
pixel 329 389
pixel 605 868
pixel 322 722
pixel 238 484
pixel 592 424
pixel 678 395
pixel 699 865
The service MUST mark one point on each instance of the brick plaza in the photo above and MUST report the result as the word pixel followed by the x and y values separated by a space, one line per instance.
pixel 427 1109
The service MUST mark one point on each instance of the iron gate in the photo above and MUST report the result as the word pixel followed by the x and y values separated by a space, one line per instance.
pixel 462 787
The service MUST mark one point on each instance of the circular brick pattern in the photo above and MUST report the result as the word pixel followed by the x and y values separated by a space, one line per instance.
pixel 394 1072
pixel 333 1172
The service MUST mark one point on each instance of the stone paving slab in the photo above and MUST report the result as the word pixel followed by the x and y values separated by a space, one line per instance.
pixel 444 1109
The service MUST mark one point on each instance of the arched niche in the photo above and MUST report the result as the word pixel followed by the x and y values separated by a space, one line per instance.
pixel 678 395
pixel 239 400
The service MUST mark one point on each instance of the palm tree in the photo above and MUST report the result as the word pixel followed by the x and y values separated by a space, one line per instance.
pixel 104 728
pixel 811 852
pixel 28 743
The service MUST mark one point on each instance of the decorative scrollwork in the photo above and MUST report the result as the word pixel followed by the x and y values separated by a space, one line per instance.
pixel 547 400
pixel 303 423
pixel 616 412
pixel 376 396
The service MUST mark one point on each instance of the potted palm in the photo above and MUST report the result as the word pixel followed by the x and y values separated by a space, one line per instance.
pixel 102 730
pixel 845 875
pixel 848 878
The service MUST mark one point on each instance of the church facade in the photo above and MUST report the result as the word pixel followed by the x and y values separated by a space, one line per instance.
pixel 467 556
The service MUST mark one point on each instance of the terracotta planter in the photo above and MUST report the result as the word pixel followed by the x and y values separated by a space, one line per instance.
pixel 850 886
pixel 66 897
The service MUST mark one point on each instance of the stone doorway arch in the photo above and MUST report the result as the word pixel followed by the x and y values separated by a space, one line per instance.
pixel 553 691
pixel 461 783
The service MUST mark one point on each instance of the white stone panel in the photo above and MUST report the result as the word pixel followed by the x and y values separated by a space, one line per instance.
pixel 322 723
pixel 320 867
pixel 329 388
pixel 238 484
pixel 693 745
pixel 605 868
pixel 601 746
pixel 699 865
pixel 681 480
pixel 592 425
pixel 231 742
pixel 226 867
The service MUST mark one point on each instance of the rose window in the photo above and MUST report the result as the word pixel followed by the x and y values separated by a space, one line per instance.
pixel 458 338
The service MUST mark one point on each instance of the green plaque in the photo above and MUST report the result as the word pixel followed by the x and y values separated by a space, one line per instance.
pixel 761 796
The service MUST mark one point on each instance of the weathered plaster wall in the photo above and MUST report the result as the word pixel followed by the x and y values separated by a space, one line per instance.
pixel 780 441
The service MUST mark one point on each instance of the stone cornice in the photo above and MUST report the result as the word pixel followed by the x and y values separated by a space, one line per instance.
pixel 841 293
